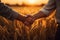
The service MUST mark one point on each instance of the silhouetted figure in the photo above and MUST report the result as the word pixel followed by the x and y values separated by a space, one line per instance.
pixel 8 13
pixel 44 12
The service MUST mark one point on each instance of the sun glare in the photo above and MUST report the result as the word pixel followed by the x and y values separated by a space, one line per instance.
pixel 35 2
pixel 31 1
pixel 26 2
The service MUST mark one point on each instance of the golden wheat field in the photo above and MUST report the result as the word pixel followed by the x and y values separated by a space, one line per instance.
pixel 41 29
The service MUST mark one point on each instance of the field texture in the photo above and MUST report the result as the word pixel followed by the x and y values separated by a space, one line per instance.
pixel 41 29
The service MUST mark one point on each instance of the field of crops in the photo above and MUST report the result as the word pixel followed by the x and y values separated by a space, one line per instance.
pixel 41 29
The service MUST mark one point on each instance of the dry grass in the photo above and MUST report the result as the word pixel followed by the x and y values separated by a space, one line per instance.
pixel 41 29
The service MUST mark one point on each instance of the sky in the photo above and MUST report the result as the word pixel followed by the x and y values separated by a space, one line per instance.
pixel 27 2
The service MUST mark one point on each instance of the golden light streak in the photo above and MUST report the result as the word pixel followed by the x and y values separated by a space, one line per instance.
pixel 35 2
pixel 26 2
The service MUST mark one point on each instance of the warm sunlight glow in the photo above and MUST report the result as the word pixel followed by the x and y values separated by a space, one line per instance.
pixel 13 2
pixel 32 1
pixel 35 2
pixel 26 2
